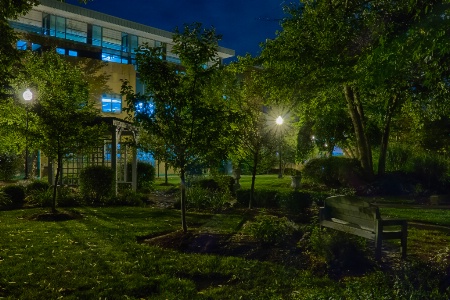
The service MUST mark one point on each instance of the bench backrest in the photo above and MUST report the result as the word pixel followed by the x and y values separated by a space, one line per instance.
pixel 352 210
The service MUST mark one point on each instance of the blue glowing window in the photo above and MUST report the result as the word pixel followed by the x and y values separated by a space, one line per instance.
pixel 35 47
pixel 21 45
pixel 61 51
pixel 73 53
pixel 112 103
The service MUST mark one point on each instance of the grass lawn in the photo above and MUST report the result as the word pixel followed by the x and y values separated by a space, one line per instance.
pixel 98 256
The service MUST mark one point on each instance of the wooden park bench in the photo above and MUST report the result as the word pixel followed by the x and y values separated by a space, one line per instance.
pixel 355 216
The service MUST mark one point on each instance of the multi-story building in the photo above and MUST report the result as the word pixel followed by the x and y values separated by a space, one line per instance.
pixel 80 32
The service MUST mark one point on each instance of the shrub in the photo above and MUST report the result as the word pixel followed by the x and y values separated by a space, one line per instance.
pixel 128 198
pixel 9 165
pixel 334 171
pixel 340 251
pixel 200 199
pixel 5 201
pixel 145 176
pixel 37 185
pixel 294 201
pixel 16 193
pixel 271 229
pixel 69 197
pixel 261 198
pixel 97 183
pixel 218 183
pixel 432 171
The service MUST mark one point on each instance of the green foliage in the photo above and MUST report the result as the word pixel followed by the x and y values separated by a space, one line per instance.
pixel 9 165
pixel 37 185
pixel 271 229
pixel 128 198
pixel 340 251
pixel 16 195
pixel 294 201
pixel 69 197
pixel 261 198
pixel 5 201
pixel 433 171
pixel 96 184
pixel 334 171
pixel 145 176
pixel 200 198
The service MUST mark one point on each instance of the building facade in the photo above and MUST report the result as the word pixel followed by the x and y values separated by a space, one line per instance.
pixel 78 32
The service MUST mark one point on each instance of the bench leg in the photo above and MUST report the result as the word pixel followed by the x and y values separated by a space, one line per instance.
pixel 378 239
pixel 404 239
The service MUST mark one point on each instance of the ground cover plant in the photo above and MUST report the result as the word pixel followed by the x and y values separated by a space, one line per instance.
pixel 140 253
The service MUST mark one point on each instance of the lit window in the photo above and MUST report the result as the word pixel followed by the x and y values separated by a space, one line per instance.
pixel 35 47
pixel 21 45
pixel 61 51
pixel 73 53
pixel 111 103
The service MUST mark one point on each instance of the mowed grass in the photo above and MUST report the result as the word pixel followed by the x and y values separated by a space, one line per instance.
pixel 98 257
pixel 435 216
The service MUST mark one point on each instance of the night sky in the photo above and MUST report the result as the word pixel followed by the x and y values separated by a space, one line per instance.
pixel 243 24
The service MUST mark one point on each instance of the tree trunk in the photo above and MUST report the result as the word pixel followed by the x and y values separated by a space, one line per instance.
pixel 183 200
pixel 166 168
pixel 55 185
pixel 252 189
pixel 385 135
pixel 362 144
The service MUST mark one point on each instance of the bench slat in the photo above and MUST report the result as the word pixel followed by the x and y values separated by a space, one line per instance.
pixel 349 229
pixel 355 216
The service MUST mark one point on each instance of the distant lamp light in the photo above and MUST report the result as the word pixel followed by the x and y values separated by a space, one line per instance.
pixel 27 95
pixel 279 120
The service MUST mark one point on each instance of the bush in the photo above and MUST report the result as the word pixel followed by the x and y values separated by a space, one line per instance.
pixel 9 165
pixel 5 201
pixel 97 184
pixel 128 198
pixel 294 201
pixel 16 194
pixel 69 197
pixel 204 199
pixel 261 198
pixel 340 251
pixel 145 176
pixel 334 171
pixel 218 183
pixel 271 229
pixel 41 198
pixel 432 171
pixel 37 185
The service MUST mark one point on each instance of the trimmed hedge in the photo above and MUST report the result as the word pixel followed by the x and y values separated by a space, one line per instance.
pixel 97 184
pixel 295 201
pixel 334 171
pixel 13 196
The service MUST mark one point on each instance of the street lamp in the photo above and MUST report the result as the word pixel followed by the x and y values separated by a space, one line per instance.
pixel 279 122
pixel 27 96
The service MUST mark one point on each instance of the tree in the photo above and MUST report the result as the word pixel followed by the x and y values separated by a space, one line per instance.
pixel 179 105
pixel 64 116
pixel 10 57
pixel 257 140
pixel 374 52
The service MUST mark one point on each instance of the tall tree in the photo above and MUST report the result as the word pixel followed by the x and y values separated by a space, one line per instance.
pixel 374 52
pixel 192 121
pixel 64 116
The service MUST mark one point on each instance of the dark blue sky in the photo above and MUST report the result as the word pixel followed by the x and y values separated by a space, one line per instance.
pixel 244 24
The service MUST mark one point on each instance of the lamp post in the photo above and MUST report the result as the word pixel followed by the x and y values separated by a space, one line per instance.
pixel 27 96
pixel 279 122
